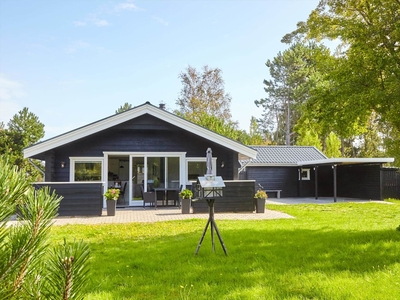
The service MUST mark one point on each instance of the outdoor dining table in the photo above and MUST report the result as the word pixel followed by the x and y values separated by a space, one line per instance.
pixel 164 192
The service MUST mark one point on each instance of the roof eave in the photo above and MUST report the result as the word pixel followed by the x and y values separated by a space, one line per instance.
pixel 272 165
pixel 133 113
pixel 342 161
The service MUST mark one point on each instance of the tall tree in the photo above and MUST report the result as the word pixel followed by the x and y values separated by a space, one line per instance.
pixel 332 143
pixel 123 108
pixel 293 74
pixel 366 75
pixel 309 138
pixel 24 129
pixel 203 92
pixel 371 141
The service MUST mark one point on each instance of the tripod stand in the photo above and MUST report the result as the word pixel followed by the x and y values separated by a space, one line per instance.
pixel 213 226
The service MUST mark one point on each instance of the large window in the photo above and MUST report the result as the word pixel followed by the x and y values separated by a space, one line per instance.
pixel 86 170
pixel 197 166
pixel 196 169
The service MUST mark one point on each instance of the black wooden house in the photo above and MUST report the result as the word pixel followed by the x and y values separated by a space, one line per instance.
pixel 136 150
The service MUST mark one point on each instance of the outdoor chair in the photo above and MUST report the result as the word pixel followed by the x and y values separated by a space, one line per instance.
pixel 148 197
pixel 122 191
pixel 174 195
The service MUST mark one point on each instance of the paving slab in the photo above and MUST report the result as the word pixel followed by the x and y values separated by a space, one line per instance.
pixel 130 215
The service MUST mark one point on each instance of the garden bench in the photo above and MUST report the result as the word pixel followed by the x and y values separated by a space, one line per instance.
pixel 278 192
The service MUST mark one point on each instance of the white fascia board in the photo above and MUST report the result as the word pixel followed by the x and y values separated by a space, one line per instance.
pixel 341 161
pixel 82 132
pixel 129 115
pixel 208 134
pixel 272 165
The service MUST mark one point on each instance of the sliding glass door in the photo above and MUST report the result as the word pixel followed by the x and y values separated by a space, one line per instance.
pixel 163 172
pixel 154 170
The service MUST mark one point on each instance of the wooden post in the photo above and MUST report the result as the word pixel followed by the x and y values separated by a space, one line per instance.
pixel 316 181
pixel 334 184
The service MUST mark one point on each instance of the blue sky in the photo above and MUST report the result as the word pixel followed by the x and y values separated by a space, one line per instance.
pixel 75 62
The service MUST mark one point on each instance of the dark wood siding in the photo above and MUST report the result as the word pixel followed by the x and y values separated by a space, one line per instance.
pixel 359 181
pixel 325 181
pixel 276 178
pixel 79 199
pixel 238 196
pixel 353 181
pixel 391 183
pixel 143 134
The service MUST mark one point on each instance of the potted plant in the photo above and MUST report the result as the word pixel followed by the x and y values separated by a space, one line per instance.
pixel 186 200
pixel 260 197
pixel 112 196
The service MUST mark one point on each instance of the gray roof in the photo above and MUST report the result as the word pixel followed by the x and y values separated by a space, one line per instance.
pixel 285 155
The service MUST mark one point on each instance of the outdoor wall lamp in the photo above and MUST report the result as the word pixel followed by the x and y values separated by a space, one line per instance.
pixel 62 164
pixel 222 164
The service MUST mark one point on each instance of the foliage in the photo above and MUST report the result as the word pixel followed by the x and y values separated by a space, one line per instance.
pixel 186 194
pixel 345 256
pixel 392 142
pixel 309 138
pixel 365 75
pixel 69 267
pixel 203 93
pixel 372 142
pixel 332 146
pixel 112 194
pixel 24 129
pixel 24 248
pixel 293 74
pixel 123 108
pixel 261 195
pixel 203 101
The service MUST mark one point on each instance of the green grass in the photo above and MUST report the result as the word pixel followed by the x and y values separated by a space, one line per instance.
pixel 337 251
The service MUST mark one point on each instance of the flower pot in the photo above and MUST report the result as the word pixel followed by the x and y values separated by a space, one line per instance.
pixel 260 205
pixel 186 204
pixel 111 206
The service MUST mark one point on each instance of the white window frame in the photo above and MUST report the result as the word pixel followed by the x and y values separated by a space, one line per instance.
pixel 307 177
pixel 199 159
pixel 74 160
pixel 181 155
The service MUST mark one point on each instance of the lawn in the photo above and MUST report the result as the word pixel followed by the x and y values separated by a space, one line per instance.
pixel 335 251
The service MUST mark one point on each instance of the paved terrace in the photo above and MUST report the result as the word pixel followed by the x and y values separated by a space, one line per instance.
pixel 129 215
pixel 138 214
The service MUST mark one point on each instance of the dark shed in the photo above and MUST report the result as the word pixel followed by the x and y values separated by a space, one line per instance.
pixel 302 171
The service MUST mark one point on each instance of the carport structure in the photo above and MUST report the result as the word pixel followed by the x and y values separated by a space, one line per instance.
pixel 346 177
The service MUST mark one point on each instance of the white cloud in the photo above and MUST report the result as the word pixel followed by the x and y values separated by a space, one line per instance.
pixel 126 6
pixel 79 23
pixel 10 91
pixel 94 18
pixel 100 23
pixel 160 20
pixel 77 45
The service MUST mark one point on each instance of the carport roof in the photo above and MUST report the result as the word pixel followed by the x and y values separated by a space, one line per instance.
pixel 346 161
pixel 285 155
pixel 302 156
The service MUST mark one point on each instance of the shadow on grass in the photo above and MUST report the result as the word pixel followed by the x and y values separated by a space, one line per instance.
pixel 263 260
